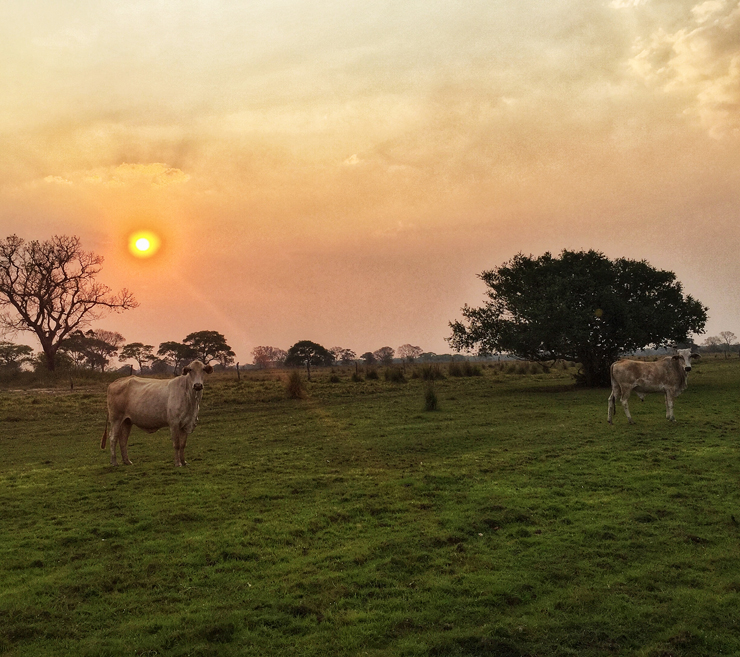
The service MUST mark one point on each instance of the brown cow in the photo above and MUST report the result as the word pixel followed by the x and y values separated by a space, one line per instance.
pixel 152 404
pixel 668 375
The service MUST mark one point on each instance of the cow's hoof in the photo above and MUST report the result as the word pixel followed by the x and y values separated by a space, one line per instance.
pixel 127 462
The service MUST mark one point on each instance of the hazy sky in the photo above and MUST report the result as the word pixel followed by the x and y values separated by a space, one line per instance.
pixel 341 171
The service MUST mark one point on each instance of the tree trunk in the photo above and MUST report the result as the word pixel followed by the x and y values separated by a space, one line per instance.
pixel 308 369
pixel 595 371
pixel 50 353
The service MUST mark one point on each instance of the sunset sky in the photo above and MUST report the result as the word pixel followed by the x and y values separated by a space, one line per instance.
pixel 341 171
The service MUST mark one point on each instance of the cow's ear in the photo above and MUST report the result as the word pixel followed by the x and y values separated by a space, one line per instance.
pixel 186 370
pixel 208 369
pixel 695 356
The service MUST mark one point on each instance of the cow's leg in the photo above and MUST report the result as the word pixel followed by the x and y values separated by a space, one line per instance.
pixel 625 405
pixel 178 437
pixel 125 431
pixel 611 406
pixel 115 430
pixel 183 441
pixel 669 407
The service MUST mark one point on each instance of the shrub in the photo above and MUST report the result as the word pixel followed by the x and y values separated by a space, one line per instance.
pixel 372 374
pixel 431 403
pixel 472 369
pixel 431 372
pixel 334 379
pixel 294 386
pixel 465 368
pixel 356 378
pixel 394 375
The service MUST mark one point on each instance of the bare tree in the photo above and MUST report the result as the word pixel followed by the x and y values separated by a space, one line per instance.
pixel 268 356
pixel 50 289
pixel 384 355
pixel 342 355
pixel 728 338
pixel 409 352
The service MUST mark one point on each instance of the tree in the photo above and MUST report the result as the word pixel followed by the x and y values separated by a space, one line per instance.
pixel 579 307
pixel 369 358
pixel 409 353
pixel 175 353
pixel 264 357
pixel 209 346
pixel 728 338
pixel 342 355
pixel 50 289
pixel 308 353
pixel 384 355
pixel 713 343
pixel 75 348
pixel 102 345
pixel 12 356
pixel 92 348
pixel 138 351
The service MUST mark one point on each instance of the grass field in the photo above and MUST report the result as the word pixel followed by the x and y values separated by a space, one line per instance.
pixel 512 521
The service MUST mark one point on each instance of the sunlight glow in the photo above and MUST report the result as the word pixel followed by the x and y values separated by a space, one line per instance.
pixel 144 243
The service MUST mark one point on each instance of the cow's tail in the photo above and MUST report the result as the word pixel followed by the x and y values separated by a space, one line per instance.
pixel 105 433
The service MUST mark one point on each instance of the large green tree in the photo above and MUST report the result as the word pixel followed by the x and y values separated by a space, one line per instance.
pixel 209 346
pixel 138 351
pixel 580 306
pixel 176 354
pixel 12 356
pixel 308 353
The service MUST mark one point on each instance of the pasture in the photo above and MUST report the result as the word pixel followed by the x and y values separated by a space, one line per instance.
pixel 512 521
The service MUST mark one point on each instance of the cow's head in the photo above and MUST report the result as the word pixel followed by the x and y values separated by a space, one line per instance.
pixel 195 372
pixel 684 356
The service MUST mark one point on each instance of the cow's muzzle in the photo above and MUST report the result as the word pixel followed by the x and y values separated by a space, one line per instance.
pixel 688 369
pixel 199 386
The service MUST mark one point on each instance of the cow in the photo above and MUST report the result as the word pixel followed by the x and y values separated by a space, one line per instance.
pixel 668 375
pixel 152 404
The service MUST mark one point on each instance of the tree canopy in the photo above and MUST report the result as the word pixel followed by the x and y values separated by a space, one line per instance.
pixel 175 353
pixel 12 356
pixel 138 351
pixel 384 355
pixel 580 306
pixel 209 346
pixel 308 353
pixel 49 288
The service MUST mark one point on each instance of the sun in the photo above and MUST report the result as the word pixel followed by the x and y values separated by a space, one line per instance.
pixel 144 243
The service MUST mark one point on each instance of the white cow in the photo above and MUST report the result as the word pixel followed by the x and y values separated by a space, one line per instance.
pixel 668 375
pixel 152 404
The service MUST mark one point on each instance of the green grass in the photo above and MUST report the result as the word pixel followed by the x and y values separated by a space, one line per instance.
pixel 512 521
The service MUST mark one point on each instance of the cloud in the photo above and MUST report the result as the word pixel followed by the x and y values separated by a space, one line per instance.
pixel 155 174
pixel 699 62
pixel 352 160
pixel 626 4
pixel 57 180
